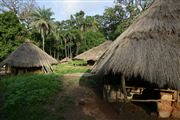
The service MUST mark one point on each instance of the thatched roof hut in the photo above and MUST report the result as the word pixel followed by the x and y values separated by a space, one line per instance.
pixel 149 48
pixel 65 60
pixel 94 53
pixel 28 55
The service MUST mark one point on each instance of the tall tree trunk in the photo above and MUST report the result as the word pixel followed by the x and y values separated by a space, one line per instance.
pixel 70 50
pixel 61 43
pixel 57 54
pixel 54 49
pixel 54 53
pixel 50 47
pixel 43 38
pixel 77 48
pixel 65 48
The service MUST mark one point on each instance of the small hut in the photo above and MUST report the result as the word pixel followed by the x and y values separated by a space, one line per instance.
pixel 93 54
pixel 28 58
pixel 148 51
pixel 65 60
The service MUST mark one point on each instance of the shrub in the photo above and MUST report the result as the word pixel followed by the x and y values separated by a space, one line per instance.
pixel 78 63
pixel 23 93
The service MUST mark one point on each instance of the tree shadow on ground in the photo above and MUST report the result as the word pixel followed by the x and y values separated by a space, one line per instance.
pixel 129 111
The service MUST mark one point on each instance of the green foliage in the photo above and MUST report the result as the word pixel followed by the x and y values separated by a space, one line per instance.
pixel 42 21
pixel 139 4
pixel 11 33
pixel 110 19
pixel 91 39
pixel 115 20
pixel 77 63
pixel 71 68
pixel 78 34
pixel 33 112
pixel 121 27
pixel 25 96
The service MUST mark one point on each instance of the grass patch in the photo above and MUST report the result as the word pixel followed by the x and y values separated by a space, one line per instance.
pixel 69 68
pixel 25 96
pixel 78 63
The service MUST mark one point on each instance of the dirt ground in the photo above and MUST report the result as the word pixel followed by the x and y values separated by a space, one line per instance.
pixel 79 101
pixel 84 104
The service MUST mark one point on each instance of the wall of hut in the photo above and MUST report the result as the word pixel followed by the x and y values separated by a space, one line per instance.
pixel 22 70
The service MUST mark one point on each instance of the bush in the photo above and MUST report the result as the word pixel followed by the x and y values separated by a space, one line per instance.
pixel 23 93
pixel 78 63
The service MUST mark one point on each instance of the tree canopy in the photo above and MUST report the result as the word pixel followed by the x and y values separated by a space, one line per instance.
pixel 12 33
pixel 66 38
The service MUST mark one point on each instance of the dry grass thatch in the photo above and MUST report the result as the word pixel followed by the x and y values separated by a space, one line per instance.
pixel 94 53
pixel 66 59
pixel 28 55
pixel 149 48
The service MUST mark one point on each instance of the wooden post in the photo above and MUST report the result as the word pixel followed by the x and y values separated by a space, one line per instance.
pixel 177 98
pixel 51 68
pixel 165 105
pixel 6 69
pixel 123 85
pixel 44 69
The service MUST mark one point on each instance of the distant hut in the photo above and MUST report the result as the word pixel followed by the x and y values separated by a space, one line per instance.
pixel 28 58
pixel 92 55
pixel 65 60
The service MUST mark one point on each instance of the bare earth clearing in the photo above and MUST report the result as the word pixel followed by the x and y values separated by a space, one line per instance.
pixel 79 102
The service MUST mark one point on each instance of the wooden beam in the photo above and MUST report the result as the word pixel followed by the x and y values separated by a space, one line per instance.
pixel 151 100
pixel 165 90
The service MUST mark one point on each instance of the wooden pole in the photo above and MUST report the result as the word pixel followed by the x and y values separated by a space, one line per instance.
pixel 123 85
pixel 177 98
pixel 44 69
pixel 6 69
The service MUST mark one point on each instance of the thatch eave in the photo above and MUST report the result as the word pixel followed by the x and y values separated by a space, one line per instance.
pixel 93 53
pixel 28 55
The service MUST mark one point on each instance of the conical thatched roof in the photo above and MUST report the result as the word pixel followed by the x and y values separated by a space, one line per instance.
pixel 66 59
pixel 149 48
pixel 94 53
pixel 29 55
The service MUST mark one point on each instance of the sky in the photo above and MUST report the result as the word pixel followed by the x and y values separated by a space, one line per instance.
pixel 64 8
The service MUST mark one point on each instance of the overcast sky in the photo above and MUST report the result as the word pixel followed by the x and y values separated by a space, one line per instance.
pixel 64 8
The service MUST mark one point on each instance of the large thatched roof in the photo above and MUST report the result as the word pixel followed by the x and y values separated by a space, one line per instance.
pixel 149 48
pixel 94 53
pixel 28 55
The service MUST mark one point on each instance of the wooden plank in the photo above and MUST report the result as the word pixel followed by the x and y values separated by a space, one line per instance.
pixel 134 87
pixel 151 100
pixel 168 90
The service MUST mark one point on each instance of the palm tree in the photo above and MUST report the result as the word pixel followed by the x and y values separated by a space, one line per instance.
pixel 91 23
pixel 42 20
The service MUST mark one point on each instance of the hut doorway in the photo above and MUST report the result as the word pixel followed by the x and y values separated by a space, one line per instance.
pixel 91 62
